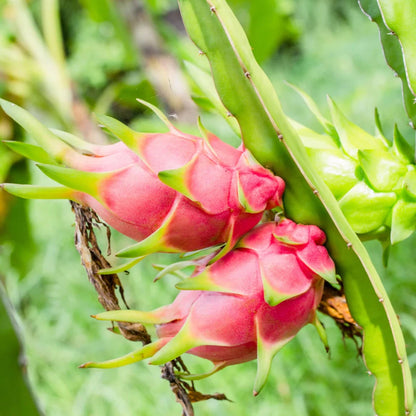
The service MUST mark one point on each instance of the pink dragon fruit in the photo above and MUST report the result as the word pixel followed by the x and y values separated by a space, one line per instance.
pixel 172 192
pixel 248 304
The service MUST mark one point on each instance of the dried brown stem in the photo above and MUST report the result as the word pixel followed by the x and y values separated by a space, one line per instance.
pixel 335 305
pixel 106 286
pixel 93 261
pixel 186 393
pixel 168 373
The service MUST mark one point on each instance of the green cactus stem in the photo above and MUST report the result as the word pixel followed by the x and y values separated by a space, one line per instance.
pixel 396 23
pixel 248 95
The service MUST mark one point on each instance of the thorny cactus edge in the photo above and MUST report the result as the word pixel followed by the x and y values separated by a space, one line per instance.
pixel 248 304
pixel 172 192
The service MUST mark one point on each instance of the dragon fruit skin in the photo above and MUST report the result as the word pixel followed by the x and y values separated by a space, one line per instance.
pixel 172 192
pixel 223 314
pixel 275 251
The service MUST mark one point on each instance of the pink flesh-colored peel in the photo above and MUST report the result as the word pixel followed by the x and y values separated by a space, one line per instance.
pixel 223 315
pixel 121 182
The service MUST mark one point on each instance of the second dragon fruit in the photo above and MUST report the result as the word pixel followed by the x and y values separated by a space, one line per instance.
pixel 248 304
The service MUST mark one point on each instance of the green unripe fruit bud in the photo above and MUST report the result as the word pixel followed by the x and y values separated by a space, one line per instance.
pixel 373 179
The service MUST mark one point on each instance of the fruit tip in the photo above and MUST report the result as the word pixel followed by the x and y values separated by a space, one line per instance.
pixel 99 118
pixel 255 393
pixel 6 103
pixel 94 316
pixel 85 365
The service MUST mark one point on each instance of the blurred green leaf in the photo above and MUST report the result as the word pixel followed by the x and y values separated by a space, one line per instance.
pixel 16 228
pixel 15 394
pixel 88 65
pixel 106 11
pixel 270 24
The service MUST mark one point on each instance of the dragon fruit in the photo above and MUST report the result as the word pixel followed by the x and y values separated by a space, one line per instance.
pixel 248 304
pixel 172 192
pixel 374 180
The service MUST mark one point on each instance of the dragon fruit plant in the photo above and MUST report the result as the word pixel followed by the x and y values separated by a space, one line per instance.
pixel 272 282
pixel 172 192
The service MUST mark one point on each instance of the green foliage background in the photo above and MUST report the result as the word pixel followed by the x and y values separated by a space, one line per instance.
pixel 325 48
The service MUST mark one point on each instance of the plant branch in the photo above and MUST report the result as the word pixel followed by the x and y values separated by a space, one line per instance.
pixel 93 261
pixel 335 305
pixel 106 285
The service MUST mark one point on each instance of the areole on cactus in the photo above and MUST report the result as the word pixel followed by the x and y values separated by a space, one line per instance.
pixel 374 180
pixel 248 304
pixel 172 192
